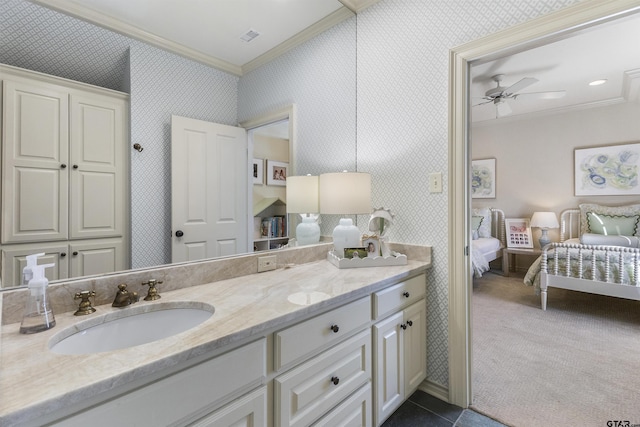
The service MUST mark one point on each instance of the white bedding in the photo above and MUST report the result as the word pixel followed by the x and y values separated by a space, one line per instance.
pixel 482 251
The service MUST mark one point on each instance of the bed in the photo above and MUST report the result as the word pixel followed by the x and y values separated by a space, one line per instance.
pixel 587 260
pixel 488 238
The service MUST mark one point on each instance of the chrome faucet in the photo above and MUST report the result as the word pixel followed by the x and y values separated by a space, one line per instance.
pixel 124 297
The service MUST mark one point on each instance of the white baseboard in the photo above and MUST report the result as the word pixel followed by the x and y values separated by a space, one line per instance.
pixel 435 389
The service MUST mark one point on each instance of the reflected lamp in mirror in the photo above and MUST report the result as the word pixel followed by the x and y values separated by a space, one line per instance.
pixel 302 198
pixel 544 221
pixel 345 193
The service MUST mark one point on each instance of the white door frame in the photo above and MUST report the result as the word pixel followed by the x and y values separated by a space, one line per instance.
pixel 288 112
pixel 530 34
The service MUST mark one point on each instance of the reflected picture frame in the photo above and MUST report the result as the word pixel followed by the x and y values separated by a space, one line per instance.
pixel 518 233
pixel 258 171
pixel 277 173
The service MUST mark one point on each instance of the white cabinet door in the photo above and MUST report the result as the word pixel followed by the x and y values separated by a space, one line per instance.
pixel 415 346
pixel 14 259
pixel 35 173
pixel 248 411
pixel 97 167
pixel 389 366
pixel 96 256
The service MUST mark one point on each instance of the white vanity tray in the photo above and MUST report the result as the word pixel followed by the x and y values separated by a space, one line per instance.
pixel 395 259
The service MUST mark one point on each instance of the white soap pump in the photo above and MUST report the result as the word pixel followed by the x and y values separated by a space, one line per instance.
pixel 27 271
pixel 38 315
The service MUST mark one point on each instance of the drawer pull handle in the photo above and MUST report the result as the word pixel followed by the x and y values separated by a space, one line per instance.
pixel 406 294
pixel 334 328
pixel 335 380
pixel 403 326
pixel 410 322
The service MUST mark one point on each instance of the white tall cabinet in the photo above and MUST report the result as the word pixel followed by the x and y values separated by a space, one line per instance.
pixel 64 175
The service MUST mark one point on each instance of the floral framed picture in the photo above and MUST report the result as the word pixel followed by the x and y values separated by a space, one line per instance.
pixel 277 173
pixel 518 233
pixel 372 246
pixel 258 171
pixel 483 179
pixel 607 171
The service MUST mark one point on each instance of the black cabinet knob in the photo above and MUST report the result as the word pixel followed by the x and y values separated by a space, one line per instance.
pixel 334 328
pixel 406 294
pixel 179 233
pixel 75 166
pixel 335 380
pixel 63 166
pixel 403 326
pixel 410 322
pixel 75 253
pixel 63 254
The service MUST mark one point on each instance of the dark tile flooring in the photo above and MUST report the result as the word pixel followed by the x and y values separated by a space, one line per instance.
pixel 422 410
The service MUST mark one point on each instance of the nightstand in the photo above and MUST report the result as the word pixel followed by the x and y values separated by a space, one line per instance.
pixel 507 253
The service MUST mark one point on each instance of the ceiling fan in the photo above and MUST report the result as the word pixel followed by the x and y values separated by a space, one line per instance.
pixel 499 94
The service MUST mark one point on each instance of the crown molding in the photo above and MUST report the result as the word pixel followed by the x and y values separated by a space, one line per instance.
pixel 307 34
pixel 86 14
pixel 358 5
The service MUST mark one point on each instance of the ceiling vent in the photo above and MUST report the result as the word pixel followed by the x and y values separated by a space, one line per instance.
pixel 249 35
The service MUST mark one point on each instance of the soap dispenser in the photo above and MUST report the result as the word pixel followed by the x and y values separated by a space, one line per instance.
pixel 27 271
pixel 38 315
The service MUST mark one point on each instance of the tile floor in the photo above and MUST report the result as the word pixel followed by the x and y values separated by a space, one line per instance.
pixel 422 410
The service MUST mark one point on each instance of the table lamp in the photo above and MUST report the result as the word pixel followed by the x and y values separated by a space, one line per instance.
pixel 302 198
pixel 345 193
pixel 544 221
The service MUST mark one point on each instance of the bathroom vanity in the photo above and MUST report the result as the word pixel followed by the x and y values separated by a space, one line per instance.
pixel 306 344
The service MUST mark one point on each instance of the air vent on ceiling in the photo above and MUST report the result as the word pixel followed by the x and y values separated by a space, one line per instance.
pixel 249 35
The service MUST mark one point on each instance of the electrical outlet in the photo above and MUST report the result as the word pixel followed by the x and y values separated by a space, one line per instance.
pixel 435 182
pixel 266 263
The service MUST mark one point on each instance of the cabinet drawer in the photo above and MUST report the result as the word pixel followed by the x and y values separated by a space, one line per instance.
pixel 249 410
pixel 312 335
pixel 355 411
pixel 308 391
pixel 394 298
pixel 183 395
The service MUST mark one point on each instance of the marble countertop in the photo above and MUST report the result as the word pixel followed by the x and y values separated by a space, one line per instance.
pixel 35 381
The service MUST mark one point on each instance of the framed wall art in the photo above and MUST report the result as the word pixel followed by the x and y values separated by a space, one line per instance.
pixel 277 173
pixel 518 233
pixel 258 171
pixel 607 171
pixel 483 179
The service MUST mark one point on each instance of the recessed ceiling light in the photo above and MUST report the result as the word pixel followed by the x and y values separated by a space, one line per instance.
pixel 598 82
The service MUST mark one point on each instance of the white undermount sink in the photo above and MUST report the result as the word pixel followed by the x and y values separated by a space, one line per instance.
pixel 130 326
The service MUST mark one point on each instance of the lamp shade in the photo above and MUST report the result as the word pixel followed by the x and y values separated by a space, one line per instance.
pixel 345 193
pixel 544 220
pixel 302 194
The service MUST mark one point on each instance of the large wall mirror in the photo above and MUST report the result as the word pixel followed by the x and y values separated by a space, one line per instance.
pixel 161 84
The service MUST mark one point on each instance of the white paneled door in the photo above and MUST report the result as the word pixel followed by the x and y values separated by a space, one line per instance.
pixel 209 185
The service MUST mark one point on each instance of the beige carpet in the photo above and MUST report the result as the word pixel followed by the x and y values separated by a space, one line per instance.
pixel 577 364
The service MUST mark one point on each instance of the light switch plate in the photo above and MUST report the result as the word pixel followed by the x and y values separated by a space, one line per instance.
pixel 266 263
pixel 435 182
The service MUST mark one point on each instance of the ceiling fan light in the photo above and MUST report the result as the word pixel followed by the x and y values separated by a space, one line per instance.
pixel 598 82
pixel 502 108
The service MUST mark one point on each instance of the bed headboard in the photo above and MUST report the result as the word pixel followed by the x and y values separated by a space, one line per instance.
pixel 569 224
pixel 497 225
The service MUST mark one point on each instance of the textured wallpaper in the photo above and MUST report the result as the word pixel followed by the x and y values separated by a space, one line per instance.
pixel 399 121
pixel 403 48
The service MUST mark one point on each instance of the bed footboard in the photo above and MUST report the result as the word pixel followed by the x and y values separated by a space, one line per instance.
pixel 603 270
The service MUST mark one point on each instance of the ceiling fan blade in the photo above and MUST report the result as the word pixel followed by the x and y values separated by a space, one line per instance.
pixel 485 101
pixel 542 95
pixel 516 87
pixel 502 109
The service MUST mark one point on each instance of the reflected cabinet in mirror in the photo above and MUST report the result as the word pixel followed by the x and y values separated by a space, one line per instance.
pixel 99 205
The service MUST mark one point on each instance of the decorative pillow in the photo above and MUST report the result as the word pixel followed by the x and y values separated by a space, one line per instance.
pixel 599 239
pixel 630 210
pixel 611 225
pixel 484 229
